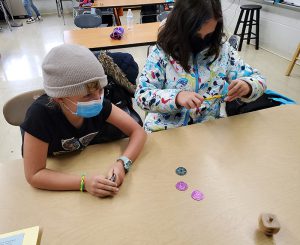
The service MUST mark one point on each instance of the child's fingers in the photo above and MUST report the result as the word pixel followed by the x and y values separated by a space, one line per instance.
pixel 119 181
pixel 106 182
pixel 186 104
pixel 103 193
pixel 233 89
pixel 231 98
pixel 198 96
pixel 232 84
pixel 109 174
pixel 106 187
pixel 237 93
pixel 191 104
pixel 197 102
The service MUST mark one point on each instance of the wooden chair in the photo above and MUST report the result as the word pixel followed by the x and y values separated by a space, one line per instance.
pixel 293 62
pixel 15 109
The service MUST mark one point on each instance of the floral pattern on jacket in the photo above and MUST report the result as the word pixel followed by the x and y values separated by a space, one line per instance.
pixel 163 78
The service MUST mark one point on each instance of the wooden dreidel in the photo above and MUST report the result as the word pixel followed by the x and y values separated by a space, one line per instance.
pixel 268 224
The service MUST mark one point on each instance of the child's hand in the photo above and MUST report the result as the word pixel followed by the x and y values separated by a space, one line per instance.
pixel 189 100
pixel 237 89
pixel 119 171
pixel 100 186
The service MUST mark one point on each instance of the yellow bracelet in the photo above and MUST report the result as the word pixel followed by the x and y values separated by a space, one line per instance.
pixel 82 183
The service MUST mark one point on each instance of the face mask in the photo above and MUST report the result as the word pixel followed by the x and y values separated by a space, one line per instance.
pixel 87 109
pixel 198 44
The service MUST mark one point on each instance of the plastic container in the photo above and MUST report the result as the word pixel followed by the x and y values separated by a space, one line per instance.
pixel 129 19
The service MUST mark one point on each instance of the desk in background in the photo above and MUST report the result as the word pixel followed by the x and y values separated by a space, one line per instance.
pixel 126 3
pixel 99 38
pixel 244 165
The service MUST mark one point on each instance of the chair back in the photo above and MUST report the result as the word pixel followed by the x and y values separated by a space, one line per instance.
pixel 87 21
pixel 15 109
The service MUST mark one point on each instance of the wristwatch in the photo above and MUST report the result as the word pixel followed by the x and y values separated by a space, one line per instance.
pixel 126 163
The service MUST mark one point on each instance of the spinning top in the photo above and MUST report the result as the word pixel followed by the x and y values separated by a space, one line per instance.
pixel 268 224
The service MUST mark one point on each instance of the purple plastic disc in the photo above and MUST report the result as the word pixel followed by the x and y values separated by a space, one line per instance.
pixel 181 186
pixel 197 195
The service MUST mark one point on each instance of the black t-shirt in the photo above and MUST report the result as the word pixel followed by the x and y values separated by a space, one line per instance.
pixel 46 121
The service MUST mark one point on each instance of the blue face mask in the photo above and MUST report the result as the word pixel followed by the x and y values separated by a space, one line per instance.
pixel 87 109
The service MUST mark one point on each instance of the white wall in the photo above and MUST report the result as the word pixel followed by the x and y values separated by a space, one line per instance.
pixel 279 27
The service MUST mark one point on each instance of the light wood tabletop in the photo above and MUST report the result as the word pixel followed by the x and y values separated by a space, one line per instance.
pixel 125 3
pixel 99 38
pixel 244 165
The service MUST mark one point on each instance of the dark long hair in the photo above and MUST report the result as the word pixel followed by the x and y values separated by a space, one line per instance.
pixel 183 22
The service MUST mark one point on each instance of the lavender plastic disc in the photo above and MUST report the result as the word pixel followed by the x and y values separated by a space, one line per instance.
pixel 181 186
pixel 197 195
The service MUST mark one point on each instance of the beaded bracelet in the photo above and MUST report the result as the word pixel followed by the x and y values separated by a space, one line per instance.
pixel 82 183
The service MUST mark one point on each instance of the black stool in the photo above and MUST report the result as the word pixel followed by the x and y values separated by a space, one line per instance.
pixel 248 9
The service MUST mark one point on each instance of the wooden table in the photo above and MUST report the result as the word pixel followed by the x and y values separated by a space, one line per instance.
pixel 125 3
pixel 99 38
pixel 244 165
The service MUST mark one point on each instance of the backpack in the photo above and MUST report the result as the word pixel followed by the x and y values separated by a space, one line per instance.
pixel 267 100
pixel 107 15
pixel 149 13
pixel 121 71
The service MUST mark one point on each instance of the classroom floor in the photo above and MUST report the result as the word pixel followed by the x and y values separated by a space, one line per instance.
pixel 22 52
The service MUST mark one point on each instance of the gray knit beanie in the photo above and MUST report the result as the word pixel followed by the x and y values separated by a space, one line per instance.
pixel 69 69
